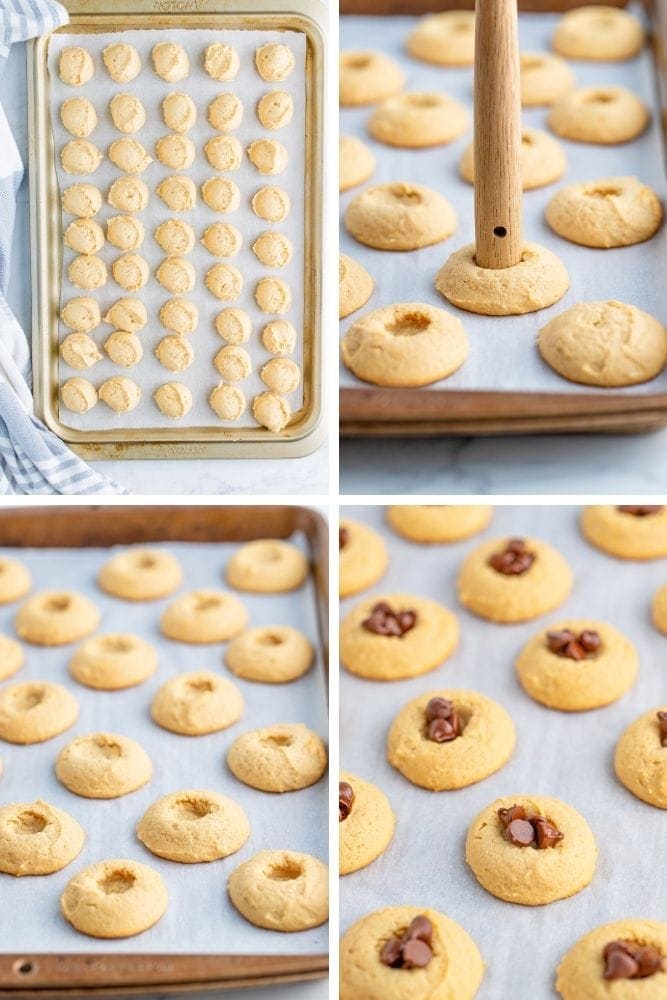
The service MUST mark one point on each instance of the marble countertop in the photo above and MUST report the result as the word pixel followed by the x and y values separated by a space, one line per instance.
pixel 298 476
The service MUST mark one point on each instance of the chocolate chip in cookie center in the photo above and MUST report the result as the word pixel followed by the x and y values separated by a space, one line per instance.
pixel 662 721
pixel 412 949
pixel 640 510
pixel 383 620
pixel 568 644
pixel 343 538
pixel 514 560
pixel 525 829
pixel 345 800
pixel 631 960
pixel 443 722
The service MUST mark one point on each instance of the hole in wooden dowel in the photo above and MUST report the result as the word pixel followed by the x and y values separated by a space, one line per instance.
pixel 24 967
pixel 500 231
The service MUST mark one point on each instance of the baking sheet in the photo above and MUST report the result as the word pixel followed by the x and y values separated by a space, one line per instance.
pixel 200 918
pixel 201 378
pixel 503 356
pixel 564 755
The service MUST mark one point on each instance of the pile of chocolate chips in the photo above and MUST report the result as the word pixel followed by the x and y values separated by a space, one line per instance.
pixel 413 949
pixel 573 646
pixel 343 538
pixel 345 800
pixel 383 620
pixel 442 720
pixel 514 560
pixel 527 829
pixel 637 510
pixel 662 719
pixel 629 960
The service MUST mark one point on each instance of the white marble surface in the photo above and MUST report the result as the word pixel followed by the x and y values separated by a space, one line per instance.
pixel 298 476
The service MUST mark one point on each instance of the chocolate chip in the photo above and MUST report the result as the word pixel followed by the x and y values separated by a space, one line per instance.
pixel 343 538
pixel 416 954
pixel 514 812
pixel 662 720
pixel 413 949
pixel 620 965
pixel 639 510
pixel 630 960
pixel 590 640
pixel 521 832
pixel 439 708
pixel 568 644
pixel 441 731
pixel 442 720
pixel 345 800
pixel 546 834
pixel 392 953
pixel 528 829
pixel 514 559
pixel 422 928
pixel 383 620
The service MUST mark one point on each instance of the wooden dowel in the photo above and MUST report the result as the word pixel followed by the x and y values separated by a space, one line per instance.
pixel 498 191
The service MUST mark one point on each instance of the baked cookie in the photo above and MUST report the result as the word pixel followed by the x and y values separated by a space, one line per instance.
pixel 270 654
pixel 114 899
pixel 15 580
pixel 513 579
pixel 598 33
pixel 542 160
pixel 659 610
pixel 439 523
pixel 355 285
pixel 577 664
pixel 366 822
pixel 11 657
pixel 56 618
pixel 406 344
pixel 602 115
pixel 78 116
pixel 193 825
pixel 281 890
pixel 280 758
pixel 35 711
pixel 531 850
pixel 103 766
pixel 84 200
pixel 363 557
pixel 197 703
pixel 404 951
pixel 37 839
pixel 611 212
pixel 267 566
pixel 75 66
pixel 624 950
pixel 122 62
pixel 78 395
pixel 446 38
pixel 368 77
pixel 127 314
pixel 632 531
pixel 170 61
pixel 356 163
pixel 400 216
pixel 450 739
pixel 204 616
pixel 128 194
pixel 395 636
pixel 113 662
pixel 604 343
pixel 640 759
pixel 418 119
pixel 544 78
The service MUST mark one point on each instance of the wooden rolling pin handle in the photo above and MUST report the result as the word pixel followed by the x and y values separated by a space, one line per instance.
pixel 498 190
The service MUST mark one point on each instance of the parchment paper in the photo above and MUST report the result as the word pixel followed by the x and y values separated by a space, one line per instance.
pixel 201 377
pixel 200 917
pixel 565 755
pixel 503 356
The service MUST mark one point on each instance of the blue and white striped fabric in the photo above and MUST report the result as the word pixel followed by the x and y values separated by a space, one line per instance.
pixel 32 459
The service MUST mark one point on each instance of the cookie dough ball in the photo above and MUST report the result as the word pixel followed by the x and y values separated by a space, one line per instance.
pixel 84 236
pixel 368 77
pixel 81 314
pixel 37 839
pixel 279 337
pixel 577 664
pixel 197 703
pixel 225 112
pixel 233 363
pixel 605 344
pixel 225 282
pixel 273 295
pixel 176 151
pixel 178 193
pixel 127 113
pixel 625 950
pixel 179 315
pixel 224 152
pixel 176 275
pixel 175 353
pixel 221 62
pixel 408 344
pixel 233 325
pixel 130 271
pixel 220 194
pixel 15 581
pixel 129 155
pixel 78 116
pixel 114 899
pixel 611 212
pixel 269 156
pixel 128 194
pixel 446 39
pixel 640 760
pixel 363 557
pixel 627 532
pixel 78 395
pixel 544 79
pixel 103 766
pixel 87 272
pixel 271 203
pixel 125 232
pixel 127 314
pixel 274 62
pixel 179 112
pixel 194 825
pixel 356 163
pixel 113 662
pixel 542 160
pixel 275 109
pixel 439 959
pixel 204 616
pixel 84 200
pixel 120 393
pixel 439 524
pixel 141 574
pixel 267 566
pixel 122 62
pixel 271 411
pixel 80 156
pixel 400 216
pixel 513 579
pixel 281 890
pixel 273 249
pixel 280 758
pixel 414 120
pixel 270 654
pixel 173 399
pixel 227 401
pixel 35 711
pixel 281 375
pixel 56 618
pixel 170 61
pixel 222 239
pixel 175 237
pixel 602 115
pixel 79 351
pixel 553 860
pixel 124 348
pixel 598 33
pixel 75 66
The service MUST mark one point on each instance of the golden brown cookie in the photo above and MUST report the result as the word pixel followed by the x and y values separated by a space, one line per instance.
pixel 114 899
pixel 15 580
pixel 356 162
pixel 439 523
pixel 279 758
pixel 627 958
pixel 127 112
pixel 103 766
pixel 193 825
pixel 418 119
pixel 114 661
pixel 363 557
pixel 368 77
pixel 400 216
pixel 544 78
pixel 35 711
pixel 37 839
pixel 268 566
pixel 611 212
pixel 598 32
pixel 602 115
pixel 542 160
pixel 204 616
pixel 270 654
pixel 632 531
pixel 281 890
pixel 446 38
pixel 196 703
pixel 56 617
pixel 124 349
pixel 365 822
pixel 355 285
pixel 640 759
pixel 11 657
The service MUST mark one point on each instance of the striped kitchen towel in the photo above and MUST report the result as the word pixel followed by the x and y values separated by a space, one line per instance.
pixel 32 459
